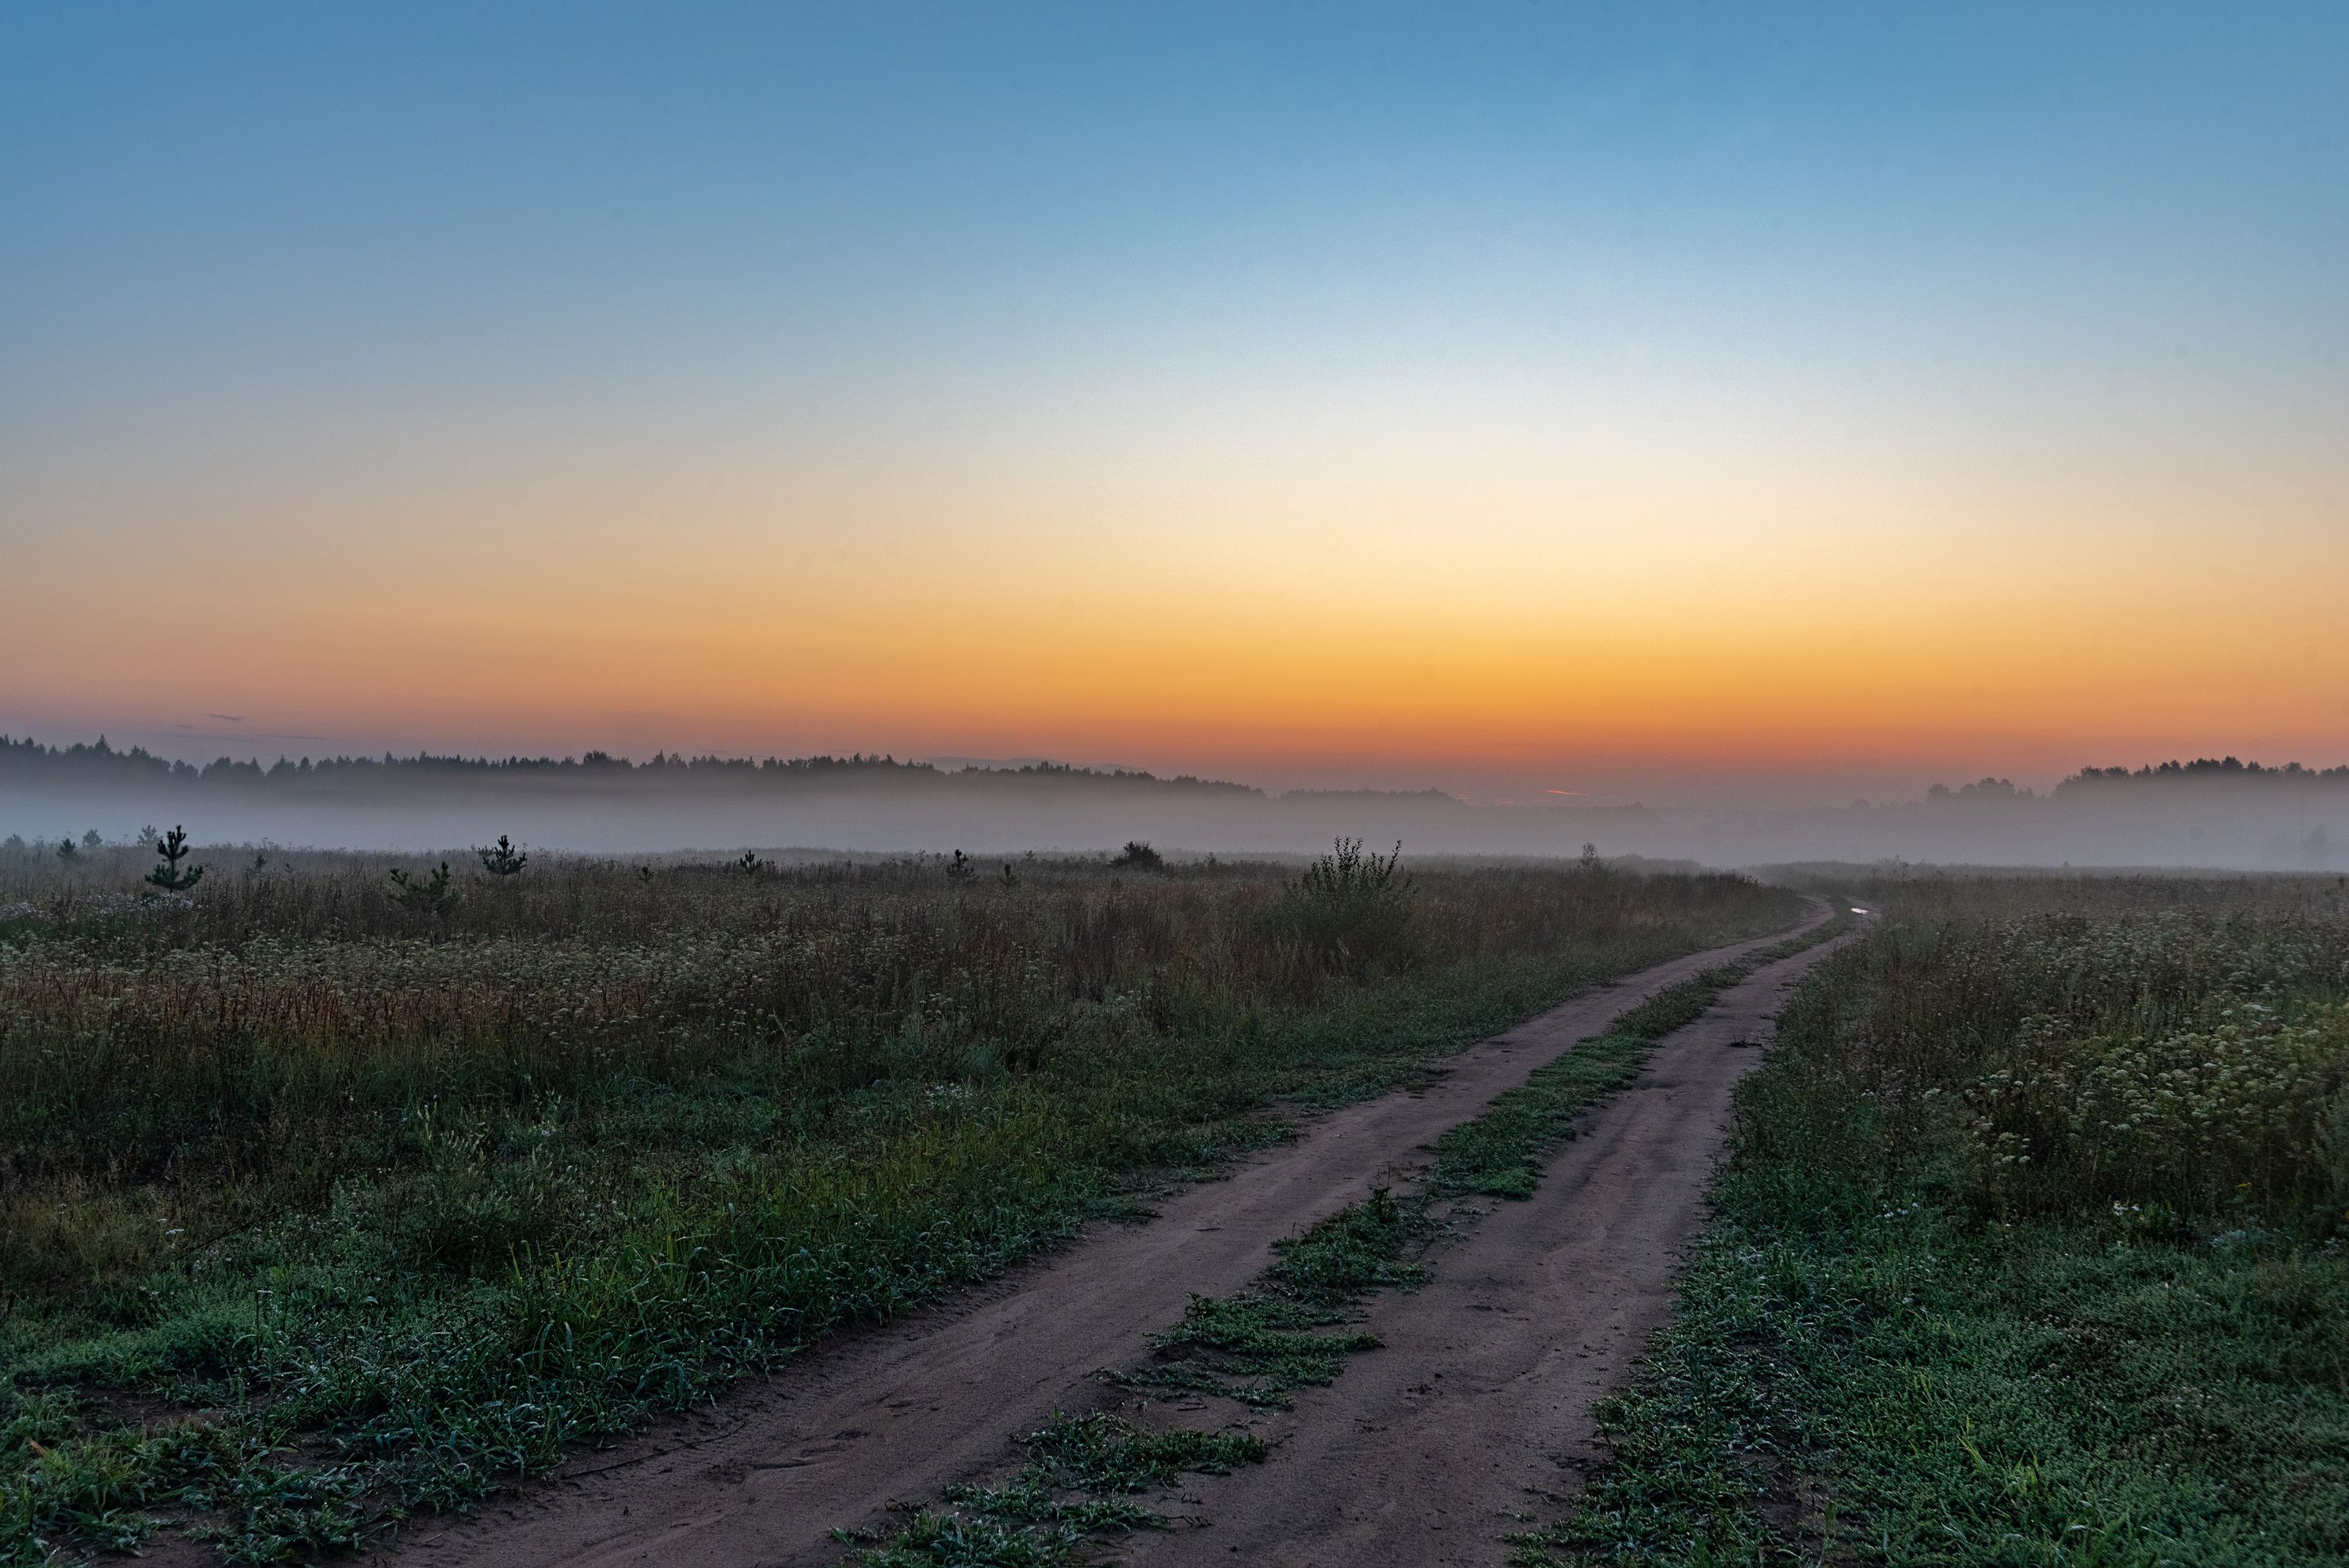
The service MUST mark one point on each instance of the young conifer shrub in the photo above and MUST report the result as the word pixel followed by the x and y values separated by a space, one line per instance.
pixel 169 876
pixel 503 858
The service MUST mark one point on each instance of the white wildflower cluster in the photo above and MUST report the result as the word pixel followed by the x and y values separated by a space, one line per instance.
pixel 115 904
pixel 24 921
pixel 2104 1096
pixel 20 909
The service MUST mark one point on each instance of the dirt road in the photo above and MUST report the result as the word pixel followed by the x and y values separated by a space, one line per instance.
pixel 901 1412
pixel 1475 1419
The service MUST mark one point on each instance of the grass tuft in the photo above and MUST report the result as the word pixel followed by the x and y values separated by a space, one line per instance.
pixel 1080 1471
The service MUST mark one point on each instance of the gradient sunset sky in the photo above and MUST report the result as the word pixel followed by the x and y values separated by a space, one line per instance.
pixel 1706 402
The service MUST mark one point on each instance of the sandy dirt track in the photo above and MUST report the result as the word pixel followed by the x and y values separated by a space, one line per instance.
pixel 1475 1421
pixel 901 1412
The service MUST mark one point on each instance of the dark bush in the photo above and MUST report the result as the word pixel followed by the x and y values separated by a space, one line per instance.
pixel 1353 909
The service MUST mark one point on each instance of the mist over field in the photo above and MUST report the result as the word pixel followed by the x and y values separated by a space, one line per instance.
pixel 2207 814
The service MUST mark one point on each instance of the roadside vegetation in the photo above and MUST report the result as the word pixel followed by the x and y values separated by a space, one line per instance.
pixel 327 1195
pixel 2034 1249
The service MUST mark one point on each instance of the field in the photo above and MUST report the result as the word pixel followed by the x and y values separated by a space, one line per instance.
pixel 2034 1249
pixel 328 1198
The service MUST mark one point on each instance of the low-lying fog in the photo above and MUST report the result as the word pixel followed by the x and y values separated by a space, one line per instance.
pixel 2225 815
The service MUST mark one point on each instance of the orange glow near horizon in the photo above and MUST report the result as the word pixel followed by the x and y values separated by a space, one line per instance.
pixel 1406 640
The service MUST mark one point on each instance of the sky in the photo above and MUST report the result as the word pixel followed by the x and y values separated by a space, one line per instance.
pixel 1688 403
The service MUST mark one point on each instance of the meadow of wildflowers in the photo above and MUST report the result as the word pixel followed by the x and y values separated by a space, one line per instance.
pixel 2034 1249
pixel 321 1199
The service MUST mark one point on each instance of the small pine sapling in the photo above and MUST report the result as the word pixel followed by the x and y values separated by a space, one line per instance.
pixel 174 847
pixel 433 894
pixel 959 869
pixel 749 865
pixel 1140 856
pixel 502 858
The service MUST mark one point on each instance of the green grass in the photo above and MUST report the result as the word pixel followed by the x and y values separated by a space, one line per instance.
pixel 1080 1472
pixel 1901 1343
pixel 320 1209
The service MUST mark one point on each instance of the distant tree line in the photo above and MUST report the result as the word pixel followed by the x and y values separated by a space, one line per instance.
pixel 2224 768
pixel 2105 782
pixel 28 761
